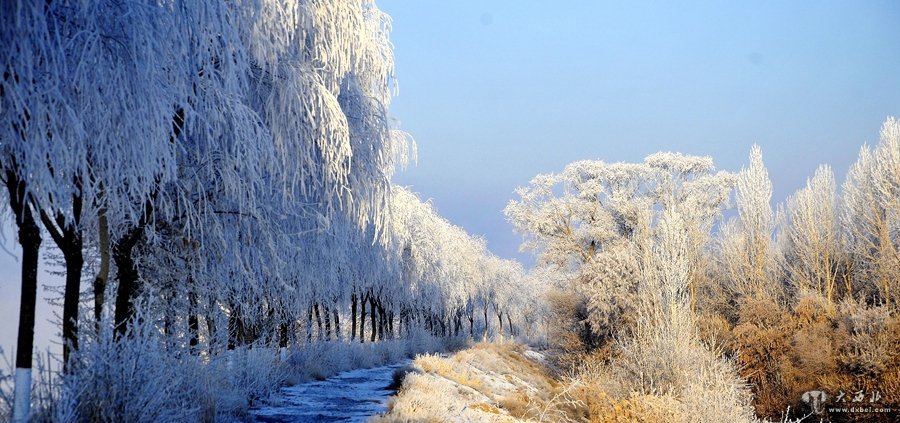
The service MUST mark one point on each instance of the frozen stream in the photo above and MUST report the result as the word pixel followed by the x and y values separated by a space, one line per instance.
pixel 351 396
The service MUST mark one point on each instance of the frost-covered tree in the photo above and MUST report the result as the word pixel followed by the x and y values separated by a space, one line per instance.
pixel 871 212
pixel 35 123
pixel 813 255
pixel 746 242
pixel 172 125
pixel 584 220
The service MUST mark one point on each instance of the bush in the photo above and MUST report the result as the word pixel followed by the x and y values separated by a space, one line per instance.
pixel 132 379
pixel 814 345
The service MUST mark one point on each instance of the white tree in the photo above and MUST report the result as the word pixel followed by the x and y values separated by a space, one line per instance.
pixel 584 220
pixel 746 242
pixel 871 212
pixel 813 252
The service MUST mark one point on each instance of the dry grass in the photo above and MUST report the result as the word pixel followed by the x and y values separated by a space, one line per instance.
pixel 779 350
pixel 488 382
pixel 513 387
pixel 814 345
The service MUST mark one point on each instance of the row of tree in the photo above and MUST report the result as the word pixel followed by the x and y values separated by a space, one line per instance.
pixel 227 166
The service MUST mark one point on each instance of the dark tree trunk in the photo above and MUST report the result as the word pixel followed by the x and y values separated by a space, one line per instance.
pixel 309 316
pixel 193 323
pixel 318 321
pixel 72 294
pixel 382 320
pixel 67 236
pixel 374 317
pixel 30 240
pixel 327 314
pixel 337 323
pixel 352 317
pixel 102 277
pixel 362 320
pixel 126 271
pixel 484 334
pixel 167 316
pixel 390 324
pixel 404 320
pixel 127 275
pixel 283 338
pixel 211 329
pixel 237 335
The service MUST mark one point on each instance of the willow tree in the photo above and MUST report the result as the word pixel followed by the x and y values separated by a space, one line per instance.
pixel 125 92
pixel 36 127
pixel 120 111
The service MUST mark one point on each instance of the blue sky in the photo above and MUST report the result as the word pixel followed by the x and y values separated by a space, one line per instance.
pixel 497 91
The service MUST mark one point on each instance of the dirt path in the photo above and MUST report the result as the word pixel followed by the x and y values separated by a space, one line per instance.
pixel 352 396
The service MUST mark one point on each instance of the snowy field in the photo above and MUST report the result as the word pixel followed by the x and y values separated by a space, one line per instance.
pixel 352 396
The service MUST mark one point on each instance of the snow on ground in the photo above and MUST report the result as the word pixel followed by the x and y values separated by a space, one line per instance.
pixel 352 396
pixel 485 383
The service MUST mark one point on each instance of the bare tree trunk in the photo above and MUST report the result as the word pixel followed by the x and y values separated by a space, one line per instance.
pixel 390 324
pixel 102 277
pixel 318 321
pixel 211 329
pixel 374 317
pixel 126 271
pixel 352 317
pixel 382 320
pixel 66 234
pixel 337 323
pixel 30 240
pixel 309 316
pixel 235 328
pixel 362 319
pixel 193 322
pixel 327 314
pixel 484 335
pixel 283 335
pixel 74 260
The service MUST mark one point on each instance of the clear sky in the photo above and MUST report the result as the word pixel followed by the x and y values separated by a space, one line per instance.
pixel 496 92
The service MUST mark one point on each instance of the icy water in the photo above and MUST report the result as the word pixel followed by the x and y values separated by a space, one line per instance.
pixel 352 396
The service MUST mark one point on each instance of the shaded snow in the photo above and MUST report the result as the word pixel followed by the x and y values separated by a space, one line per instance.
pixel 352 396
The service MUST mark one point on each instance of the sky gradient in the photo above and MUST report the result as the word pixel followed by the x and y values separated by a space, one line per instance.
pixel 496 92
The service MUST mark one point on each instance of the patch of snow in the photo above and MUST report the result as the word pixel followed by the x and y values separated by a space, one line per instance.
pixel 536 356
pixel 351 396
